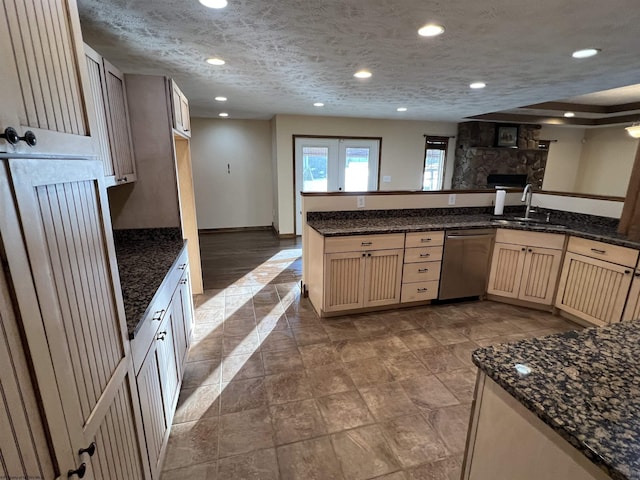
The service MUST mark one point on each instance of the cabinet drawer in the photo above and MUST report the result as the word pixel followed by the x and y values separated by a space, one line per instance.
pixel 416 292
pixel 420 272
pixel 431 254
pixel 603 251
pixel 421 239
pixel 358 243
pixel 532 239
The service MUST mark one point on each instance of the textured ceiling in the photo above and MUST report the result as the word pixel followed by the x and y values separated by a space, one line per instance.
pixel 284 55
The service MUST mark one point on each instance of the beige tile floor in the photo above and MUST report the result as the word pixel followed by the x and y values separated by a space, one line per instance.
pixel 271 391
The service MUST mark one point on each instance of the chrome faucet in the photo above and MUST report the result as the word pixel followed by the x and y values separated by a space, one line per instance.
pixel 527 194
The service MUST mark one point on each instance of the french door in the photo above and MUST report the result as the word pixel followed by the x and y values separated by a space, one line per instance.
pixel 334 165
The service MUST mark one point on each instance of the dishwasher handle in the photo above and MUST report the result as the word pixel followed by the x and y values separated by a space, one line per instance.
pixel 478 235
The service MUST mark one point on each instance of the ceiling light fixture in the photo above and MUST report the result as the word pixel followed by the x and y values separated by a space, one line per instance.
pixel 318 104
pixel 585 53
pixel 569 114
pixel 431 30
pixel 401 109
pixel 223 114
pixel 214 3
pixel 362 74
pixel 221 99
pixel 215 61
pixel 477 85
pixel 634 129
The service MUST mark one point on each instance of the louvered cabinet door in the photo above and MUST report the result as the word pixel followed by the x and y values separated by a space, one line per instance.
pixel 183 313
pixel 383 277
pixel 592 289
pixel 169 376
pixel 506 270
pixel 632 308
pixel 344 281
pixel 45 87
pixel 67 230
pixel 540 275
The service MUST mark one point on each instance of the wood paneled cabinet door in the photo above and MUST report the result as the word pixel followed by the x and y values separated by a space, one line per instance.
pixel 362 279
pixel 44 79
pixel 632 308
pixel 524 272
pixel 113 131
pixel 592 289
pixel 180 108
pixel 76 333
pixel 182 319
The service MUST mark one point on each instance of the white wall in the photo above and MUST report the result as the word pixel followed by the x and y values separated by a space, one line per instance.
pixel 606 162
pixel 563 160
pixel 242 198
pixel 402 154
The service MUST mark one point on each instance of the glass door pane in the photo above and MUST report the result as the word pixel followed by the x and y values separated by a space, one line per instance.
pixel 356 169
pixel 315 162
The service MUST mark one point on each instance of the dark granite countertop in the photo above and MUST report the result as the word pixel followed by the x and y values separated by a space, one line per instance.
pixel 144 256
pixel 350 223
pixel 585 385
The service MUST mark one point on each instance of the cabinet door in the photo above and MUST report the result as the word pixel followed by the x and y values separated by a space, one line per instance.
pixel 68 238
pixel 383 277
pixel 183 313
pixel 169 377
pixel 506 270
pixel 186 120
pixel 119 127
pixel 344 281
pixel 540 274
pixel 632 308
pixel 593 290
pixel 175 103
pixel 44 81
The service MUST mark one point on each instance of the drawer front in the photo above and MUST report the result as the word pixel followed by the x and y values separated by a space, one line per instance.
pixel 424 254
pixel 603 251
pixel 360 243
pixel 420 272
pixel 531 239
pixel 422 239
pixel 417 292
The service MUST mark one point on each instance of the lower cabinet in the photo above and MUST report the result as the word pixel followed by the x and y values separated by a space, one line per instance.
pixel 422 263
pixel 525 271
pixel 160 374
pixel 632 308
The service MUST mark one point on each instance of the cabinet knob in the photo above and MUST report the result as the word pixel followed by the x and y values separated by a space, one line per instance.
pixel 530 250
pixel 158 315
pixel 183 281
pixel 161 336
pixel 182 266
pixel 524 249
pixel 637 274
pixel 627 272
pixel 10 135
pixel 91 449
pixel 30 138
pixel 80 471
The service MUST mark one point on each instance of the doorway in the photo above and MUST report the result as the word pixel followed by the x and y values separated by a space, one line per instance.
pixel 325 164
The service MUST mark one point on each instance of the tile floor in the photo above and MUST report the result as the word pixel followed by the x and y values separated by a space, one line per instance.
pixel 271 391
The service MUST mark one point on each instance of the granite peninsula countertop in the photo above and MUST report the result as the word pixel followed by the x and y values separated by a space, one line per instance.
pixel 144 256
pixel 584 385
pixel 576 225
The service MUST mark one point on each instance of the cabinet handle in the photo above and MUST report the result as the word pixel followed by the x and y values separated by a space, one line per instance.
pixel 601 252
pixel 10 135
pixel 423 270
pixel 627 272
pixel 425 240
pixel 422 290
pixel 158 315
pixel 161 336
pixel 29 138
pixel 182 266
pixel 425 255
pixel 91 449
pixel 183 281
pixel 637 274
pixel 80 471
pixel 366 244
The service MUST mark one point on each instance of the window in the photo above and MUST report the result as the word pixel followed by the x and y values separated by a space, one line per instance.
pixel 435 154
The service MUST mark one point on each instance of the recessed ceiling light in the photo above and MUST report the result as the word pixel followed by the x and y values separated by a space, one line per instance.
pixel 569 114
pixel 318 104
pixel 215 61
pixel 362 74
pixel 401 109
pixel 586 53
pixel 214 3
pixel 431 30
pixel 223 114
pixel 476 85
pixel 221 99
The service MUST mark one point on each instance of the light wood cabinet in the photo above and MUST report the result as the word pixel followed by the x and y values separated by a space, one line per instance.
pixel 527 272
pixel 44 79
pixel 180 109
pixel 422 265
pixel 113 131
pixel 632 307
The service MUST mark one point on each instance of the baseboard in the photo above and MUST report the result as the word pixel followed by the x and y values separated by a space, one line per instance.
pixel 234 229
pixel 283 236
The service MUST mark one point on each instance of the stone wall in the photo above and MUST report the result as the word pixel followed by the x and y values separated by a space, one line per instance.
pixel 477 156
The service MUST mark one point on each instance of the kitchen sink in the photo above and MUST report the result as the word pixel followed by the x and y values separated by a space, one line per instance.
pixel 529 222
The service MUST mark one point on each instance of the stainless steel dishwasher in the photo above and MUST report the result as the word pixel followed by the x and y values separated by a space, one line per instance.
pixel 465 263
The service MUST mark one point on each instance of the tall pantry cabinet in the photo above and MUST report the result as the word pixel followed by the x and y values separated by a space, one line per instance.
pixel 68 396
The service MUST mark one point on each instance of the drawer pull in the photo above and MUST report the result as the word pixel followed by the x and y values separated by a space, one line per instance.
pixel 158 315
pixel 425 240
pixel 423 270
pixel 422 290
pixel 161 336
pixel 366 244
pixel 425 255
pixel 601 252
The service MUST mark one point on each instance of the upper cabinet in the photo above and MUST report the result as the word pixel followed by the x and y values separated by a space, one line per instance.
pixel 113 132
pixel 44 80
pixel 180 106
